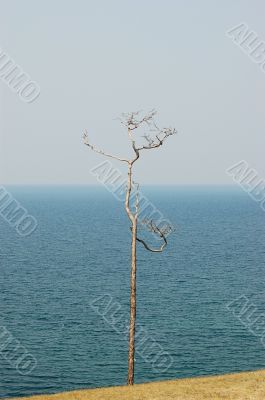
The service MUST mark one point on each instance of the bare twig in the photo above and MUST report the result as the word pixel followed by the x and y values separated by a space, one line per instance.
pixel 160 136
pixel 161 232
pixel 92 147
pixel 132 120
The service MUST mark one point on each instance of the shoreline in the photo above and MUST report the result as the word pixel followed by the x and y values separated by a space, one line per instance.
pixel 236 386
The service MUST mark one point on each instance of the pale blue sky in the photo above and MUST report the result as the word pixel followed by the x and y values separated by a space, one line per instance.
pixel 96 59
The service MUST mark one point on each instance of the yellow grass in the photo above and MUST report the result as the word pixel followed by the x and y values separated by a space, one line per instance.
pixel 243 386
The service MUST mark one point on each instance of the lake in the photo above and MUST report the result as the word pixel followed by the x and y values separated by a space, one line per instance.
pixel 81 251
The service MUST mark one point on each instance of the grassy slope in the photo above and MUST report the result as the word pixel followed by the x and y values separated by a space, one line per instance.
pixel 243 386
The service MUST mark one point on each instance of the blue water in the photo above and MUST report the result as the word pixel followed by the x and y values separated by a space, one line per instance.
pixel 81 250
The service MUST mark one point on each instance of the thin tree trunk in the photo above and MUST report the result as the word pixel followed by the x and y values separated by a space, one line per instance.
pixel 132 308
pixel 133 121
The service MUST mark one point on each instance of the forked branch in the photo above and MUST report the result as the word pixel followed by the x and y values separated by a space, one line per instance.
pixel 160 136
pixel 155 136
pixel 133 121
pixel 160 232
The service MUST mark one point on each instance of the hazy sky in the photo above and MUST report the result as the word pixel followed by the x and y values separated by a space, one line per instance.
pixel 96 59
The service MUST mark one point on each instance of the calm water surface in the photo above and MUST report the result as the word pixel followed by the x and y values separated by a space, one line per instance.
pixel 81 251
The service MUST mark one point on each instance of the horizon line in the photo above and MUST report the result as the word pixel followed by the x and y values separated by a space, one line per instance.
pixel 100 185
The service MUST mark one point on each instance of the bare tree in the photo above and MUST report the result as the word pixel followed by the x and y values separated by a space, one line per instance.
pixel 153 139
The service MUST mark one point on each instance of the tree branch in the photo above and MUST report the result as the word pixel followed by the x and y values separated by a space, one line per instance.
pixel 150 248
pixel 86 142
pixel 132 121
pixel 161 232
pixel 160 137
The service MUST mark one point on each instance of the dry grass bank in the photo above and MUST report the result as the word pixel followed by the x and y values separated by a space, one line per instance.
pixel 243 386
